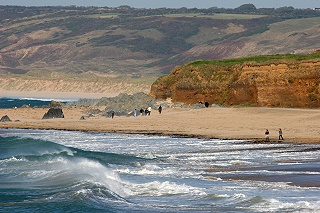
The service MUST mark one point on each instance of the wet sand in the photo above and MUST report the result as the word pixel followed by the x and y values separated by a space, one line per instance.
pixel 298 125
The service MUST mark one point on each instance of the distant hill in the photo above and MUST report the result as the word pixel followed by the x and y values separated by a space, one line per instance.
pixel 132 44
pixel 289 80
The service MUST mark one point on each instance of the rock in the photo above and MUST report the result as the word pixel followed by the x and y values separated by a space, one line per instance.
pixel 124 104
pixel 5 119
pixel 25 106
pixel 53 113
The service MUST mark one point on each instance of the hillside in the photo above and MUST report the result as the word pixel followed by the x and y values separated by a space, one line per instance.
pixel 271 80
pixel 134 44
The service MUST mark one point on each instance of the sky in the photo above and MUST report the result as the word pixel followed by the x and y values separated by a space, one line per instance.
pixel 168 3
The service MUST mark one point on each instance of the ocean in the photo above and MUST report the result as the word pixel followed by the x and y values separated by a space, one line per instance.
pixel 62 171
pixel 7 102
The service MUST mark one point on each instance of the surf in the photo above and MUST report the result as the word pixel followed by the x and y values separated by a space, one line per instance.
pixel 44 167
pixel 43 170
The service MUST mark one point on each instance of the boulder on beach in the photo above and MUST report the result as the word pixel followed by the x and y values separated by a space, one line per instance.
pixel 5 119
pixel 53 113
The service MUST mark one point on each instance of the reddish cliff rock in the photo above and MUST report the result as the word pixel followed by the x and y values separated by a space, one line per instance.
pixel 273 81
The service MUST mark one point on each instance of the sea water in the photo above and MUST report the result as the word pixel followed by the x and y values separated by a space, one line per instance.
pixel 7 102
pixel 61 171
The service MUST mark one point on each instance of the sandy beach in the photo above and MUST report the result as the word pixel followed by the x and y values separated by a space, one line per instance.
pixel 298 125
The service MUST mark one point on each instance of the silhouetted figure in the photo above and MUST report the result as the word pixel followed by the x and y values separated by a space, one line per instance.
pixel 206 104
pixel 267 134
pixel 160 109
pixel 141 111
pixel 112 114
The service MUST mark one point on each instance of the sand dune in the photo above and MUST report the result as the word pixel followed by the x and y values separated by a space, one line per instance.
pixel 298 125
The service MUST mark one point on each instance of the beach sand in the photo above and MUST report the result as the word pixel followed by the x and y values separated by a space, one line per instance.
pixel 298 125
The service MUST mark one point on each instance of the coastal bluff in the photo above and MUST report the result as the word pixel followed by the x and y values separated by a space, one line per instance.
pixel 264 81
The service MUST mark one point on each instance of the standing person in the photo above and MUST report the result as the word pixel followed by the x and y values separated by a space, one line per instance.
pixel 135 113
pixel 149 110
pixel 267 134
pixel 160 109
pixel 112 114
pixel 280 134
pixel 141 111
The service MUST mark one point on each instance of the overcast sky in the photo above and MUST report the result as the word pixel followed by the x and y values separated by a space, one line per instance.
pixel 168 3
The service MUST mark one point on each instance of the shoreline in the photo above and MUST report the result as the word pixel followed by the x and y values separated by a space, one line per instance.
pixel 53 95
pixel 246 124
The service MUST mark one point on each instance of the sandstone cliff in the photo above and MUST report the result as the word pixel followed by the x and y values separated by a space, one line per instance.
pixel 273 81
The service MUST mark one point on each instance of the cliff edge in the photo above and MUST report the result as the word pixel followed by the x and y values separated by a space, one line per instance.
pixel 273 81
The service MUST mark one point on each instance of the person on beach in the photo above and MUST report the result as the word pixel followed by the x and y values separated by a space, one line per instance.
pixel 280 134
pixel 135 113
pixel 141 111
pixel 149 110
pixel 267 134
pixel 112 114
pixel 160 109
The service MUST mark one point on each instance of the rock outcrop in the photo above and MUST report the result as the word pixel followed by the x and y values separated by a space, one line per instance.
pixel 53 113
pixel 280 81
pixel 5 119
pixel 122 105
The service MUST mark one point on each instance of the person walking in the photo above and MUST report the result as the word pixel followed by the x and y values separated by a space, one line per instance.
pixel 149 110
pixel 135 113
pixel 280 134
pixel 160 109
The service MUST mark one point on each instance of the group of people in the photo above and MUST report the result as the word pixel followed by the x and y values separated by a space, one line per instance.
pixel 142 111
pixel 147 111
pixel 267 134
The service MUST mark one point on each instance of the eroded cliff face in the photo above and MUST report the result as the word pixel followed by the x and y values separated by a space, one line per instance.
pixel 282 84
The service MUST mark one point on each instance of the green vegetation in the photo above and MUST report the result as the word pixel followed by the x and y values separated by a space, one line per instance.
pixel 263 59
pixel 216 16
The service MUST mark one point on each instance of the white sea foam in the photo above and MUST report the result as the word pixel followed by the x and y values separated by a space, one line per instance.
pixel 96 172
pixel 176 172
pixel 40 173
pixel 154 170
pixel 238 196
pixel 49 99
pixel 166 188
pixel 13 159
pixel 275 205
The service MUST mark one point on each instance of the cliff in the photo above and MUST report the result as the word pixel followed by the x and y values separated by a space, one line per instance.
pixel 272 81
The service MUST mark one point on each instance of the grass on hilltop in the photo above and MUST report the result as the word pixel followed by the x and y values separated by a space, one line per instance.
pixel 262 59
